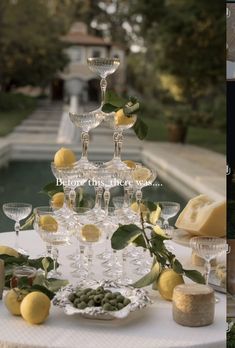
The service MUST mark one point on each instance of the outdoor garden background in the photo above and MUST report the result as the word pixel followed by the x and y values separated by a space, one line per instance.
pixel 174 64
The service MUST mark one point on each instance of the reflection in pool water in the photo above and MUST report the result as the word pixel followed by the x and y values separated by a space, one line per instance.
pixel 22 181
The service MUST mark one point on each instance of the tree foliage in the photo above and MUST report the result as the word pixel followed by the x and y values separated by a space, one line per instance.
pixel 30 49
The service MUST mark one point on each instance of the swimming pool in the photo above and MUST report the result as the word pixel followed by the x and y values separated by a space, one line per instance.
pixel 22 181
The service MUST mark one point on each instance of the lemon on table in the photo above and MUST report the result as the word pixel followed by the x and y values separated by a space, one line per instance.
pixel 48 223
pixel 130 164
pixel 122 120
pixel 35 307
pixel 167 281
pixel 141 174
pixel 57 200
pixel 13 300
pixel 64 158
pixel 90 233
pixel 8 251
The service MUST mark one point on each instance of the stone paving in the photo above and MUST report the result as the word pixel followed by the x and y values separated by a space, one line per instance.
pixel 190 169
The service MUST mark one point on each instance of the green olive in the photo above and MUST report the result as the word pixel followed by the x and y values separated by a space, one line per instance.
pixel 91 303
pixel 79 293
pixel 108 296
pixel 120 305
pixel 84 298
pixel 126 301
pixel 120 298
pixel 76 302
pixel 113 302
pixel 108 307
pixel 72 297
pixel 82 305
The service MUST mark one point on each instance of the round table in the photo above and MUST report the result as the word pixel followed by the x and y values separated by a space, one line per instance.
pixel 152 327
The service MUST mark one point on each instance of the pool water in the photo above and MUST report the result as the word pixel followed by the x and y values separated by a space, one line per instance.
pixel 22 181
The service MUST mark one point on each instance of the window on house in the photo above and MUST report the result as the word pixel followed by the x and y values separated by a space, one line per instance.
pixel 96 53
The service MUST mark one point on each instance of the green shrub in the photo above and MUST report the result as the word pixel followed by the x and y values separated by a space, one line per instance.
pixel 15 101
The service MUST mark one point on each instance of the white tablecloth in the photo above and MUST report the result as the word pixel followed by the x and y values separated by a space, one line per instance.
pixel 150 328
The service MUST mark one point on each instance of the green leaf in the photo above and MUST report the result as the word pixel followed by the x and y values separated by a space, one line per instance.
pixel 177 267
pixel 108 108
pixel 41 288
pixel 51 188
pixel 125 235
pixel 114 99
pixel 194 276
pixel 55 284
pixel 150 205
pixel 149 278
pixel 22 282
pixel 140 242
pixel 140 128
pixel 28 223
pixel 130 108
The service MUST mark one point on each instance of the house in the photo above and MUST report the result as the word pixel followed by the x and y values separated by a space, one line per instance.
pixel 80 45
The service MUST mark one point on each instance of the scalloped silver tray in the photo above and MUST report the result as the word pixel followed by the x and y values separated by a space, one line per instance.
pixel 139 300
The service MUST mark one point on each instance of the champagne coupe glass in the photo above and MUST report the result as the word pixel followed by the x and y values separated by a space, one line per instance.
pixel 118 124
pixel 168 210
pixel 103 67
pixel 86 121
pixel 90 232
pixel 17 212
pixel 208 248
pixel 53 231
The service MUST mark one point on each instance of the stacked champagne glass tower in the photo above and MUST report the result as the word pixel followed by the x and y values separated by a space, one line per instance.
pixel 93 226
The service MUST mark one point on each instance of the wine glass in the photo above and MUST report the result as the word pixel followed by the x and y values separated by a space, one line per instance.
pixel 208 248
pixel 103 67
pixel 118 123
pixel 53 231
pixel 17 212
pixel 86 121
pixel 168 210
pixel 90 231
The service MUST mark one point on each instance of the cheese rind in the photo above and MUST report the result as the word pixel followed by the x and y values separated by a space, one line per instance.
pixel 193 305
pixel 203 216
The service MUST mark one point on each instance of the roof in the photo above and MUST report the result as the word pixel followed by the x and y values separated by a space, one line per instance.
pixel 78 35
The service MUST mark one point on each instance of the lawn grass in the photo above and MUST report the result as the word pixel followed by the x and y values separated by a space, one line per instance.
pixel 13 109
pixel 208 138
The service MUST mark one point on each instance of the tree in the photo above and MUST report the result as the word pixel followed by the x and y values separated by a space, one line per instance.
pixel 30 49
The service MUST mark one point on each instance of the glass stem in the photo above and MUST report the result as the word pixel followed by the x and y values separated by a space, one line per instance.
pixel 72 198
pixel 124 265
pixel 48 250
pixel 85 141
pixel 98 197
pixel 17 229
pixel 90 260
pixel 106 201
pixel 207 271
pixel 120 141
pixel 103 86
pixel 54 253
pixel 165 224
pixel 67 197
pixel 138 196
pixel 117 138
pixel 81 258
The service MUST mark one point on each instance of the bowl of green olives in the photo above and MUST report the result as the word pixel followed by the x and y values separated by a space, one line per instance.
pixel 108 300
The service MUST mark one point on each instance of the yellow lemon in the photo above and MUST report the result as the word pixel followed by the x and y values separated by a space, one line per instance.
pixel 35 307
pixel 166 283
pixel 13 300
pixel 48 223
pixel 64 158
pixel 122 120
pixel 130 164
pixel 90 233
pixel 157 229
pixel 8 251
pixel 154 215
pixel 143 208
pixel 141 174
pixel 57 200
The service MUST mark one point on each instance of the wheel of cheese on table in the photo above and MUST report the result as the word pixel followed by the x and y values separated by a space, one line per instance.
pixel 193 305
pixel 204 217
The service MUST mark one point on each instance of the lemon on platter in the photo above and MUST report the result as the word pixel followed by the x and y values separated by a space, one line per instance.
pixel 57 200
pixel 35 307
pixel 13 300
pixel 8 251
pixel 141 174
pixel 48 223
pixel 167 281
pixel 122 120
pixel 130 164
pixel 64 158
pixel 90 233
